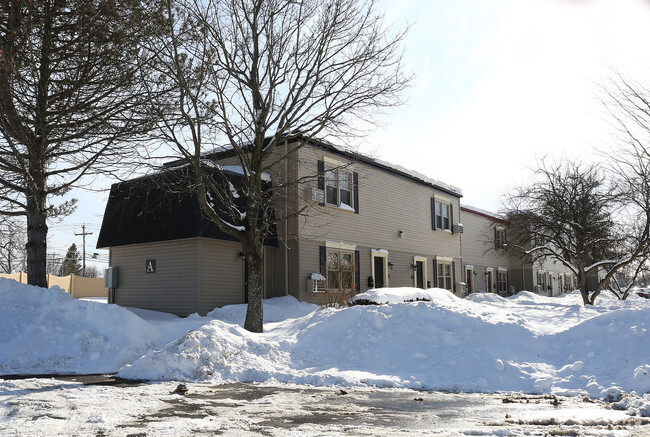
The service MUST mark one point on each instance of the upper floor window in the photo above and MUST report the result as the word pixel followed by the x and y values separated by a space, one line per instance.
pixel 499 238
pixel 338 187
pixel 443 215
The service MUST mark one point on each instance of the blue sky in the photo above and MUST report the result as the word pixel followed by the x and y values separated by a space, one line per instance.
pixel 498 85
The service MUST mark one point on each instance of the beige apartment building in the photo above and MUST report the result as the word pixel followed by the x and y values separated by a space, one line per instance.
pixel 367 224
pixel 489 267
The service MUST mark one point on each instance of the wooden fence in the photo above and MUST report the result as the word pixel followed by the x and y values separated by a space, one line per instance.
pixel 78 286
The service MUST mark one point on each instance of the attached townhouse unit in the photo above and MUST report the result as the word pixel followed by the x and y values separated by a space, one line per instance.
pixel 488 265
pixel 366 224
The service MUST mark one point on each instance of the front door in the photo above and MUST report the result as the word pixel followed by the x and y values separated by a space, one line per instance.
pixel 488 280
pixel 379 272
pixel 469 280
pixel 419 267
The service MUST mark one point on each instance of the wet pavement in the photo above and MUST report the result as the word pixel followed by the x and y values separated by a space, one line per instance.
pixel 278 410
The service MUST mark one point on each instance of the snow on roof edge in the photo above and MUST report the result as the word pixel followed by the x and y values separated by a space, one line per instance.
pixel 482 211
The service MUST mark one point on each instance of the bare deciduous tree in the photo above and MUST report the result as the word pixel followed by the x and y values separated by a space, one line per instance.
pixel 68 91
pixel 576 215
pixel 12 245
pixel 93 272
pixel 629 104
pixel 250 75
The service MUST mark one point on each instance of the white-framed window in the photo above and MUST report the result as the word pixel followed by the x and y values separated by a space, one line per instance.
pixel 338 187
pixel 444 273
pixel 443 215
pixel 502 280
pixel 499 237
pixel 340 269
pixel 340 266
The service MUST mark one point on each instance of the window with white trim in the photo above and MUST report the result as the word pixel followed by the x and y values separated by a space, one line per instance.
pixel 340 269
pixel 444 274
pixel 502 281
pixel 338 187
pixel 443 215
pixel 499 237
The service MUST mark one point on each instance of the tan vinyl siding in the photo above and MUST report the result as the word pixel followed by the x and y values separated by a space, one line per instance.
pixel 478 242
pixel 221 274
pixel 478 250
pixel 387 204
pixel 401 275
pixel 172 288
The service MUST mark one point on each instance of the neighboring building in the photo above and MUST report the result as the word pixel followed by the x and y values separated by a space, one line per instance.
pixel 369 224
pixel 488 266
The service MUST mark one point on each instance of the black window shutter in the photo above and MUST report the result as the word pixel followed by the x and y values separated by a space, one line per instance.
pixel 435 273
pixel 433 213
pixel 508 281
pixel 321 179
pixel 357 275
pixel 453 276
pixel 496 243
pixel 321 174
pixel 355 181
pixel 323 261
pixel 451 218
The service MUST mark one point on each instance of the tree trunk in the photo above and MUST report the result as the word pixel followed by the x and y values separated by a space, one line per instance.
pixel 255 281
pixel 36 241
pixel 582 279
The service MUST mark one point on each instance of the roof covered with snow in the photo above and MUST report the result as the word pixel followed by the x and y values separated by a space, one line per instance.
pixel 483 212
pixel 359 157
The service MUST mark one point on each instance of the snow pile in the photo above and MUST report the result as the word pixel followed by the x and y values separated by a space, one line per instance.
pixel 525 343
pixel 400 295
pixel 485 343
pixel 276 309
pixel 48 331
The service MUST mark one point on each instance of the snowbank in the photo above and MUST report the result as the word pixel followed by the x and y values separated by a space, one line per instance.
pixel 486 343
pixel 276 309
pixel 526 343
pixel 48 331
pixel 404 294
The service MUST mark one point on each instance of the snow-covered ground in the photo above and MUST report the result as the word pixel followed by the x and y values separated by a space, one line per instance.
pixel 485 343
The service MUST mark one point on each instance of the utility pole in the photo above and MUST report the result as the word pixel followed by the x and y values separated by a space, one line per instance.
pixel 83 234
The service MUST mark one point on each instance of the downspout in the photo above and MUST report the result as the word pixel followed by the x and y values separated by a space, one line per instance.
pixel 286 220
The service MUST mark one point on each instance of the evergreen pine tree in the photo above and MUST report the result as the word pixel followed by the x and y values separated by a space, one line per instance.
pixel 71 264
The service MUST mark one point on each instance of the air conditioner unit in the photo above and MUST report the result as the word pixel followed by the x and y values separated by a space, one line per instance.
pixel 317 195
pixel 316 285
pixel 458 229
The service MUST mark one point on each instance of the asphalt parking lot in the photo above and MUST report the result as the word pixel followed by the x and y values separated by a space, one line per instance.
pixel 144 409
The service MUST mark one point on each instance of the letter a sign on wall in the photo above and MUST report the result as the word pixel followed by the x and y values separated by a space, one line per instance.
pixel 151 266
